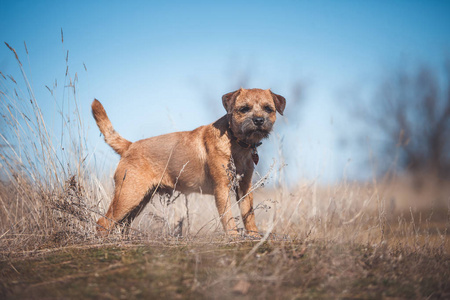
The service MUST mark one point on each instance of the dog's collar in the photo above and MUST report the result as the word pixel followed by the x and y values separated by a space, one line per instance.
pixel 255 156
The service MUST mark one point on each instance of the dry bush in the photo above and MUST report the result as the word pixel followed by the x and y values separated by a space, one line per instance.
pixel 46 182
pixel 406 121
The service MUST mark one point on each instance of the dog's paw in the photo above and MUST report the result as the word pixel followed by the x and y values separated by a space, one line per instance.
pixel 253 235
pixel 233 233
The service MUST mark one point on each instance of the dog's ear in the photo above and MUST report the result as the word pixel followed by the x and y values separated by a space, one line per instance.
pixel 229 99
pixel 280 102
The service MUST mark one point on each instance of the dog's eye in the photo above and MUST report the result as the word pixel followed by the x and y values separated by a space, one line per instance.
pixel 244 109
pixel 268 109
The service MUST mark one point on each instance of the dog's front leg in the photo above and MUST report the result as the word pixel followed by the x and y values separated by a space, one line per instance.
pixel 221 194
pixel 246 206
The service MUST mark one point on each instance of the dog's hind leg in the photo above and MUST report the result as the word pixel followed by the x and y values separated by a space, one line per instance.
pixel 132 192
pixel 126 222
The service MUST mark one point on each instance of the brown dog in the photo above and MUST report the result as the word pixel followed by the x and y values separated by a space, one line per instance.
pixel 193 161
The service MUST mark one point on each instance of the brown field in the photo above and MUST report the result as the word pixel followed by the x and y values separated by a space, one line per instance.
pixel 333 242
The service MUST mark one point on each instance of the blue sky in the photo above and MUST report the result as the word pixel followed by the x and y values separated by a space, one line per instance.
pixel 163 66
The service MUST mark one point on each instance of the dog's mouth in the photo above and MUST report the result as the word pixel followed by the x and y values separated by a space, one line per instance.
pixel 258 132
pixel 254 135
pixel 250 133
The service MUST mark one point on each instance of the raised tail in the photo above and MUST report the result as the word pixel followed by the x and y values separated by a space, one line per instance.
pixel 112 138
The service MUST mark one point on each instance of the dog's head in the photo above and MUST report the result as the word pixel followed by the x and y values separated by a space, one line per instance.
pixel 252 113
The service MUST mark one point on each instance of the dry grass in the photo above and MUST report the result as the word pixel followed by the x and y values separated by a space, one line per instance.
pixel 382 239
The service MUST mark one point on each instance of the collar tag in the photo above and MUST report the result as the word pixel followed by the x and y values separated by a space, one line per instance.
pixel 255 155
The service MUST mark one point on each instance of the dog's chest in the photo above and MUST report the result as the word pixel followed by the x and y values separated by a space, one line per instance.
pixel 243 164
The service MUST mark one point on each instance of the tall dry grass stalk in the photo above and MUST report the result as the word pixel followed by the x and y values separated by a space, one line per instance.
pixel 45 178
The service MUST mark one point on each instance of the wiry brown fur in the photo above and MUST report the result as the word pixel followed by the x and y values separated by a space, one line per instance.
pixel 192 161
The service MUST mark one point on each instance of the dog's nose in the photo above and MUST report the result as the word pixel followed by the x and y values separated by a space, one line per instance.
pixel 258 121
